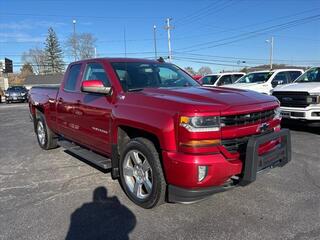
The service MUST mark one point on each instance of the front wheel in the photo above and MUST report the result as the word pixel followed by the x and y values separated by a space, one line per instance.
pixel 141 173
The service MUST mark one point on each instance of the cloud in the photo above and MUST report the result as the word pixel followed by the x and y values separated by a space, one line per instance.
pixel 28 24
pixel 19 37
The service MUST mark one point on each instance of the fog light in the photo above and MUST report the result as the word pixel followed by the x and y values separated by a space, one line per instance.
pixel 315 114
pixel 202 172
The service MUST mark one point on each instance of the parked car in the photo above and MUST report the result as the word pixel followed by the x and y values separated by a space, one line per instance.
pixel 265 81
pixel 157 130
pixel 220 79
pixel 301 99
pixel 16 94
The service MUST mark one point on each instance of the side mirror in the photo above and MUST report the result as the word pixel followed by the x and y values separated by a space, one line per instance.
pixel 95 86
pixel 276 83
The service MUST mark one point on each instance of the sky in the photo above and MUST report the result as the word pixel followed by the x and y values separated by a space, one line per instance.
pixel 221 34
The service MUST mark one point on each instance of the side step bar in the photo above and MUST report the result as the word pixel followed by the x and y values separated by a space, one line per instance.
pixel 92 157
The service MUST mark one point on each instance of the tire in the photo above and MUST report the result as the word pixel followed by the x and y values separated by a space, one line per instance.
pixel 143 182
pixel 7 102
pixel 46 138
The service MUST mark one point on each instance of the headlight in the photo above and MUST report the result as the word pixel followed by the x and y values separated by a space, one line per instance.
pixel 23 94
pixel 277 113
pixel 313 99
pixel 200 123
pixel 6 94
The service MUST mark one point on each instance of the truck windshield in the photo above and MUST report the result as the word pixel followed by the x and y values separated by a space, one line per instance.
pixel 137 76
pixel 312 75
pixel 257 77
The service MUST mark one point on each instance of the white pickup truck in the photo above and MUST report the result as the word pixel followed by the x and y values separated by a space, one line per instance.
pixel 220 79
pixel 301 99
pixel 265 81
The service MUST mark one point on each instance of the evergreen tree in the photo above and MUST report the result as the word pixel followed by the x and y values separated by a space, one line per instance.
pixel 53 53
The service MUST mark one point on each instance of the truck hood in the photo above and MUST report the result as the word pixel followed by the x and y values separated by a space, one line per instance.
pixel 200 98
pixel 260 87
pixel 310 87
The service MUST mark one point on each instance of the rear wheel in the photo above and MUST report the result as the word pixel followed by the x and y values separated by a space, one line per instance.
pixel 141 173
pixel 46 138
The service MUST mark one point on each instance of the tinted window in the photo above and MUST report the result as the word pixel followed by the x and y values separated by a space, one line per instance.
pixel 312 75
pixel 136 76
pixel 281 78
pixel 226 79
pixel 210 79
pixel 294 75
pixel 236 77
pixel 71 81
pixel 95 71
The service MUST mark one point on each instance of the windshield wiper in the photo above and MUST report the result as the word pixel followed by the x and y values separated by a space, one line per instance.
pixel 135 89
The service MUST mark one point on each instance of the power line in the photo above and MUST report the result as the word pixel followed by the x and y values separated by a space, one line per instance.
pixel 208 57
pixel 255 33
pixel 236 29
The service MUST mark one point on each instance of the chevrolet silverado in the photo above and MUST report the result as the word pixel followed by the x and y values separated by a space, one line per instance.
pixel 163 135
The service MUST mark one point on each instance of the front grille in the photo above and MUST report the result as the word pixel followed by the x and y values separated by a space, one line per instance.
pixel 292 99
pixel 238 145
pixel 244 119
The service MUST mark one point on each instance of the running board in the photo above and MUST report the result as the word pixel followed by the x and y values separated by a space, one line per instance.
pixel 92 157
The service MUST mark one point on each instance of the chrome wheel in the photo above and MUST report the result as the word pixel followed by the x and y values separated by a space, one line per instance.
pixel 137 174
pixel 41 133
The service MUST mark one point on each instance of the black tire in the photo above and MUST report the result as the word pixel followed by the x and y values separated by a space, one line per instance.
pixel 50 139
pixel 158 192
pixel 7 102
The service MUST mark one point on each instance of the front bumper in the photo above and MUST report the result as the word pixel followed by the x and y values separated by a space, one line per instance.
pixel 253 164
pixel 17 98
pixel 307 113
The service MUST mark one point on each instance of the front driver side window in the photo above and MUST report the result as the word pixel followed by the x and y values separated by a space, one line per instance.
pixel 95 71
pixel 225 80
pixel 281 78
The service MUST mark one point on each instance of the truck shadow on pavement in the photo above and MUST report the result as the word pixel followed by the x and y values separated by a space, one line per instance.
pixel 103 218
pixel 302 126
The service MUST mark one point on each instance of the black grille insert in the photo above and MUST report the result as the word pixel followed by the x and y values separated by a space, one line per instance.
pixel 245 119
pixel 292 99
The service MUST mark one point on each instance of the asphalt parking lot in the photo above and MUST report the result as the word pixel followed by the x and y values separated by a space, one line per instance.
pixel 52 195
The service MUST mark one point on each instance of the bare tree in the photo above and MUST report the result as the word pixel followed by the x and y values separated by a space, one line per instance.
pixel 190 70
pixel 36 58
pixel 204 70
pixel 81 46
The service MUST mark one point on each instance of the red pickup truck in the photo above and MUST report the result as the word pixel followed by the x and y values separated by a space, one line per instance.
pixel 157 130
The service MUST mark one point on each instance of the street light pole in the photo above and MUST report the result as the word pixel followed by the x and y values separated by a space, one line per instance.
pixel 271 50
pixel 168 28
pixel 74 39
pixel 155 41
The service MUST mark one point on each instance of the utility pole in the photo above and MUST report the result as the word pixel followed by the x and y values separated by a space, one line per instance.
pixel 74 38
pixel 271 42
pixel 168 28
pixel 125 42
pixel 155 41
